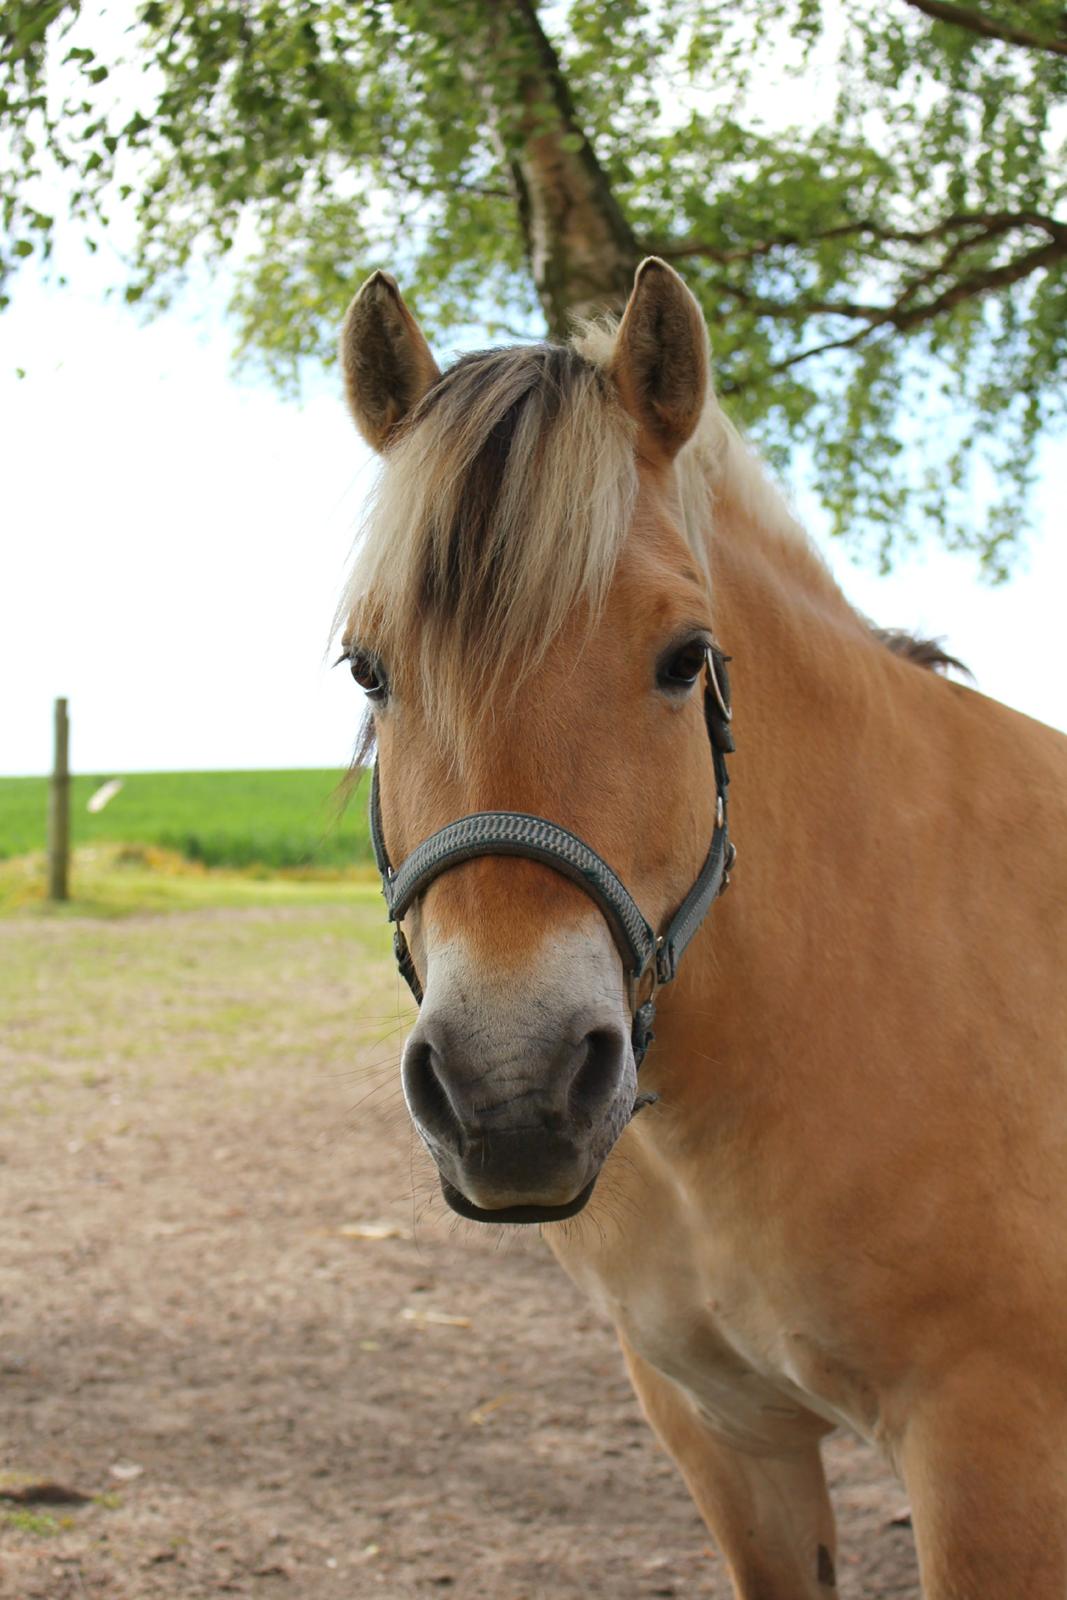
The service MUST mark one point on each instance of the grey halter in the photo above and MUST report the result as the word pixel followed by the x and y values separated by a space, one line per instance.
pixel 514 833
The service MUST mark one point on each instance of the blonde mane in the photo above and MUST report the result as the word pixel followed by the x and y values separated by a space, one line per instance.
pixel 502 507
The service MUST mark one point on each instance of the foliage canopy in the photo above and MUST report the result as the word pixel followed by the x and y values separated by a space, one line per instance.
pixel 868 200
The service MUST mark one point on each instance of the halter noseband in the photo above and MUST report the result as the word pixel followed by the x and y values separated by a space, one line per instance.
pixel 514 833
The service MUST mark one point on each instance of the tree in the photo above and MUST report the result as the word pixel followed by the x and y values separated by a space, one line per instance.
pixel 884 274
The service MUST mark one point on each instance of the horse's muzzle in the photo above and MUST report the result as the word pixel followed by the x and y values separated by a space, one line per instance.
pixel 519 1123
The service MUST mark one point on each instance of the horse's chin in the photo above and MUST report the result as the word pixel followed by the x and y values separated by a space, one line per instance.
pixel 514 1214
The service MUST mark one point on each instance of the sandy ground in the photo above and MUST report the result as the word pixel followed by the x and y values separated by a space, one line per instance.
pixel 200 1120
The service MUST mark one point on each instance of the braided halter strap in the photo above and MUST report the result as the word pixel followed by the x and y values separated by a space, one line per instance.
pixel 515 833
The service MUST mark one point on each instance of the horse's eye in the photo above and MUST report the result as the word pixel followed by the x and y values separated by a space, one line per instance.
pixel 368 673
pixel 683 666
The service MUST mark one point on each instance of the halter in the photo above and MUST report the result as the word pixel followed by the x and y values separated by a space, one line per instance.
pixel 515 833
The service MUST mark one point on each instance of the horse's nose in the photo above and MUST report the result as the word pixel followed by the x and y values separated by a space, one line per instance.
pixel 515 1121
pixel 457 1092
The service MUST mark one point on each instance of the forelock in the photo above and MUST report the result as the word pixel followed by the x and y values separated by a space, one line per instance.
pixel 503 504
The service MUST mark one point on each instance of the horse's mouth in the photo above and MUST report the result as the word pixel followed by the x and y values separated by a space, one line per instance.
pixel 514 1214
pixel 535 1215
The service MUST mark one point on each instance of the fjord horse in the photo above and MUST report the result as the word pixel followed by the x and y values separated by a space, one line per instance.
pixel 848 1203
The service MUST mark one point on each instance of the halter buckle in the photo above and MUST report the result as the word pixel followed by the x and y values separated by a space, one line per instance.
pixel 653 973
pixel 641 1034
pixel 717 710
pixel 720 699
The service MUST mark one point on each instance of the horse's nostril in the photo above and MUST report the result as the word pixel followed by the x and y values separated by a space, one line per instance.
pixel 426 1094
pixel 595 1082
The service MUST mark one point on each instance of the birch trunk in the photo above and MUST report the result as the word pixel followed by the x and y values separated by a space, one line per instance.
pixel 582 250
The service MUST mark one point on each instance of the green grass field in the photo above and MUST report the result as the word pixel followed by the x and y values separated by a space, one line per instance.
pixel 277 820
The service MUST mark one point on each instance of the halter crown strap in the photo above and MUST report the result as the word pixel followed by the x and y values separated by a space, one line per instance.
pixel 516 833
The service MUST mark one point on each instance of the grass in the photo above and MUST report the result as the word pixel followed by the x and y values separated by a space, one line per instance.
pixel 113 880
pixel 133 1005
pixel 278 820
pixel 37 1522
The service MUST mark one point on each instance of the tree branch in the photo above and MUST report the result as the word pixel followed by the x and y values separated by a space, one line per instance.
pixel 906 320
pixel 977 283
pixel 795 310
pixel 1001 221
pixel 997 225
pixel 977 22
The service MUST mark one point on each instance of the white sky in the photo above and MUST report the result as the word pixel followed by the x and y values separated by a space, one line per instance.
pixel 173 544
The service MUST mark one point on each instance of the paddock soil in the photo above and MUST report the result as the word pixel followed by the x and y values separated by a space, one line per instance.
pixel 235 1317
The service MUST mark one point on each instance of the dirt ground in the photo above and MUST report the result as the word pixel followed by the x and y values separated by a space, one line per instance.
pixel 200 1122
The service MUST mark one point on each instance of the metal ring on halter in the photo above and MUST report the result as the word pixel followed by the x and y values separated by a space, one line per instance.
pixel 634 982
pixel 715 658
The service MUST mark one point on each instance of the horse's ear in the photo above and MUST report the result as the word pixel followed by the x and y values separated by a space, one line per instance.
pixel 660 361
pixel 385 359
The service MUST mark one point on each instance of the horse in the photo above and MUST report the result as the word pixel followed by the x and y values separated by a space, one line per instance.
pixel 836 1196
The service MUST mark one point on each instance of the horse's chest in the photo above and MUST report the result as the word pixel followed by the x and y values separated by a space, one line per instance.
pixel 707 1322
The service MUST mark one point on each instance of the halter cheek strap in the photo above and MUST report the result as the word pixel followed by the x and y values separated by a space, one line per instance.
pixel 516 833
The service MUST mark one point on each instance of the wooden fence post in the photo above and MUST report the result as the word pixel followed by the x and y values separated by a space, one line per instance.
pixel 59 809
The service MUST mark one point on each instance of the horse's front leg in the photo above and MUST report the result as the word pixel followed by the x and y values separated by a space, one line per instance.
pixel 985 1464
pixel 769 1514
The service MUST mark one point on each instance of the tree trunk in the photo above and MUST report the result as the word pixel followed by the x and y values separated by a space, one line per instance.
pixel 582 250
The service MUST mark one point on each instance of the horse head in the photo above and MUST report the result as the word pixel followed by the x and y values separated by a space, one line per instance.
pixel 529 617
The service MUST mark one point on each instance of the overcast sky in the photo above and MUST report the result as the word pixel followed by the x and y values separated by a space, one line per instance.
pixel 174 542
